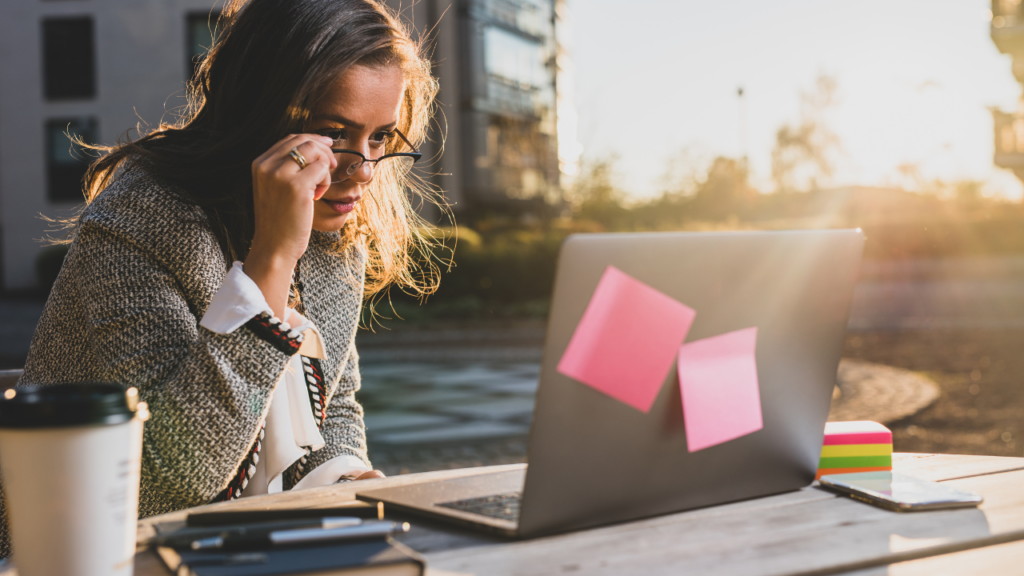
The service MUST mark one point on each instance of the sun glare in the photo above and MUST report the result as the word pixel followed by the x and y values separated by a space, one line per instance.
pixel 915 81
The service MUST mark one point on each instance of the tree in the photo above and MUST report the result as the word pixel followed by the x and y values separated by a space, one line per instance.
pixel 594 194
pixel 803 157
pixel 725 190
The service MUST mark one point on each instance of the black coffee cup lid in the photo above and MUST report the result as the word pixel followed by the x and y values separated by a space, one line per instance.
pixel 63 405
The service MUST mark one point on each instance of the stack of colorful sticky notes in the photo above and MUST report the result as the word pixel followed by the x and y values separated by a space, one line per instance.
pixel 855 447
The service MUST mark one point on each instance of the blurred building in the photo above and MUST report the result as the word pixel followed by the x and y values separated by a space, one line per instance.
pixel 95 69
pixel 1008 35
pixel 91 69
pixel 505 101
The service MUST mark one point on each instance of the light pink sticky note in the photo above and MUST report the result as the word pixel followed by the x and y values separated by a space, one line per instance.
pixel 718 381
pixel 627 339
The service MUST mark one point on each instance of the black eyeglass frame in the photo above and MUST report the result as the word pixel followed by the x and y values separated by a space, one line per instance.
pixel 415 154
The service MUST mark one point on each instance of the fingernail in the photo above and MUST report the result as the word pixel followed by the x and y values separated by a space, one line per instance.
pixel 327 139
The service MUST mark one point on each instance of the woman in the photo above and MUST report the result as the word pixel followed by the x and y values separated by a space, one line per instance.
pixel 221 262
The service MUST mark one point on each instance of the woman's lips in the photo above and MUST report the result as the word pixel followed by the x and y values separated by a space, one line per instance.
pixel 342 206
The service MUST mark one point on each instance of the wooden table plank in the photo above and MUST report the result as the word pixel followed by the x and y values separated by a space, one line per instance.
pixel 940 467
pixel 804 531
pixel 1000 559
pixel 817 537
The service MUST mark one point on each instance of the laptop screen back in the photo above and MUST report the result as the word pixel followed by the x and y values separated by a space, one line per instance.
pixel 595 460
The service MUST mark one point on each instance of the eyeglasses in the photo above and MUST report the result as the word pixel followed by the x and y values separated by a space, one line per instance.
pixel 352 161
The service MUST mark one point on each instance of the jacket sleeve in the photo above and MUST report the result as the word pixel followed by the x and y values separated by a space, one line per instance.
pixel 207 392
pixel 343 430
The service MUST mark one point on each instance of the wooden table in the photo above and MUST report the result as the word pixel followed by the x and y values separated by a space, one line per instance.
pixel 804 532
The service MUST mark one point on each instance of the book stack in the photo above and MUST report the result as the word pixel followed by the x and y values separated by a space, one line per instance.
pixel 376 557
pixel 346 540
pixel 855 447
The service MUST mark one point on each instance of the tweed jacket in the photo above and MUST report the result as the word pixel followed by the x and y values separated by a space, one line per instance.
pixel 139 275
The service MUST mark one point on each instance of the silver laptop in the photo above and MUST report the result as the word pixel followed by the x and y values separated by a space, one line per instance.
pixel 594 460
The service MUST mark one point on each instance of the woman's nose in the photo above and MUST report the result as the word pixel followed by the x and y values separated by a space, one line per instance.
pixel 364 173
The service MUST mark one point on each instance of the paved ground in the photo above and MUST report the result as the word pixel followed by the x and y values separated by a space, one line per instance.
pixel 980 372
pixel 429 416
pixel 986 293
pixel 870 391
pixel 454 398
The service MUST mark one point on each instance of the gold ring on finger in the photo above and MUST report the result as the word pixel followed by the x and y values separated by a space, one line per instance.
pixel 298 157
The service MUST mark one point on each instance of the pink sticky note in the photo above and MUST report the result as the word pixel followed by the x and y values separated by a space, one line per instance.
pixel 857 432
pixel 718 381
pixel 627 339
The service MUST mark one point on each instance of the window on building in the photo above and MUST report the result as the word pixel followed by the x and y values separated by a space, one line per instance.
pixel 200 27
pixel 69 58
pixel 513 58
pixel 529 16
pixel 66 162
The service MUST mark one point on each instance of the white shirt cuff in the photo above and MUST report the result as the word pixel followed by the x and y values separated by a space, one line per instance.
pixel 236 302
pixel 331 471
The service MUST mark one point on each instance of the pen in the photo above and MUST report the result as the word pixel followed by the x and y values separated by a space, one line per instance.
pixel 231 518
pixel 185 538
pixel 278 538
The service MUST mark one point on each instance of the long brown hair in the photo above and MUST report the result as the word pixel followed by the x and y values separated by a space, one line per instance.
pixel 259 83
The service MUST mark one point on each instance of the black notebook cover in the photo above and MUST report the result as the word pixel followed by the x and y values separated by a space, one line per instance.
pixel 334 559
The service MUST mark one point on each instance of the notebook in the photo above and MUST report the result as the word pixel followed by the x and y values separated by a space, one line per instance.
pixel 370 557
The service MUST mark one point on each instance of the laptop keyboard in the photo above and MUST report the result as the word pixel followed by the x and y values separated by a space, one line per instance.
pixel 501 506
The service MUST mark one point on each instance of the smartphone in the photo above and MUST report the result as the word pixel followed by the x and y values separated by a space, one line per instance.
pixel 898 492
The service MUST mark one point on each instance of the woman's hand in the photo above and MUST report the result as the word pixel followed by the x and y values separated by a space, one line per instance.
pixel 368 475
pixel 283 194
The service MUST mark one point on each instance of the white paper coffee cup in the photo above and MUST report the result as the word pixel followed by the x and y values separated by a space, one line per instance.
pixel 70 458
